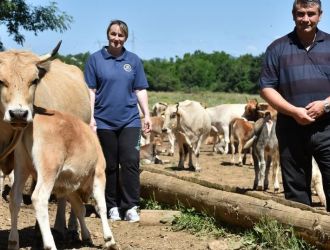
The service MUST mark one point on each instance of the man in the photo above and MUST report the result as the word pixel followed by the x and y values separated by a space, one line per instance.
pixel 295 81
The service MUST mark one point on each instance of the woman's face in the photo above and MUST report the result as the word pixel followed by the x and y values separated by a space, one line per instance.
pixel 116 37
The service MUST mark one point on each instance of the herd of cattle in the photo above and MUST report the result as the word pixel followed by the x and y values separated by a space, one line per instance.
pixel 235 128
pixel 63 155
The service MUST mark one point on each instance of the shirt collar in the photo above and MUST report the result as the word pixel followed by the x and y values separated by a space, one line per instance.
pixel 320 36
pixel 107 55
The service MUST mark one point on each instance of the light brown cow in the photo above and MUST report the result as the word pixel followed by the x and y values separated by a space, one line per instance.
pixel 68 161
pixel 159 135
pixel 191 125
pixel 158 108
pixel 57 86
pixel 241 131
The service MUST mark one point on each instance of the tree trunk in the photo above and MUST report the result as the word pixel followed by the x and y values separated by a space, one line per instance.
pixel 235 209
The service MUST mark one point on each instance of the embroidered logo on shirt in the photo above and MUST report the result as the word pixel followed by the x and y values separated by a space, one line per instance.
pixel 127 67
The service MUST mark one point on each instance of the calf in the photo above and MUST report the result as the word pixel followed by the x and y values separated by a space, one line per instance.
pixel 265 154
pixel 157 132
pixel 69 161
pixel 149 155
pixel 241 131
pixel 317 184
pixel 158 108
pixel 191 126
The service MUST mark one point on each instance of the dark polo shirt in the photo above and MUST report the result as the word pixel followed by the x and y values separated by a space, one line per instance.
pixel 115 80
pixel 300 76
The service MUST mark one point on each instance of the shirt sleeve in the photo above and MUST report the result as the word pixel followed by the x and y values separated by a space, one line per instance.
pixel 140 77
pixel 89 73
pixel 269 77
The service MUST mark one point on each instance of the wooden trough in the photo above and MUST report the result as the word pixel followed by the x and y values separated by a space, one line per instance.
pixel 236 209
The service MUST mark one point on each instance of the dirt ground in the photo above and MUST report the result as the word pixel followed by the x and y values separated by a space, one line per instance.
pixel 216 168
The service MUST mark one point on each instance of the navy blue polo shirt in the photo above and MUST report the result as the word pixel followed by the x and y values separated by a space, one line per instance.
pixel 300 76
pixel 115 80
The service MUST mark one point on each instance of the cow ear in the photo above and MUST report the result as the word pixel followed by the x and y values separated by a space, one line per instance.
pixel 43 68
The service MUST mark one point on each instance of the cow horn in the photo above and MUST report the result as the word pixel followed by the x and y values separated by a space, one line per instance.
pixel 50 55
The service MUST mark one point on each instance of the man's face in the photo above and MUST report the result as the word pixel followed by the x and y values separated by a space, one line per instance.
pixel 306 17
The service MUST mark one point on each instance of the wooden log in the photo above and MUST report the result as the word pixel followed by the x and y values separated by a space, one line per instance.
pixel 239 190
pixel 236 209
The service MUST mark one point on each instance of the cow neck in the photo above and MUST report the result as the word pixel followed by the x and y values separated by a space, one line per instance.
pixel 12 145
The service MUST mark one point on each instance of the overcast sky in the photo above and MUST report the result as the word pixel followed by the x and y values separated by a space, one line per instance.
pixel 165 29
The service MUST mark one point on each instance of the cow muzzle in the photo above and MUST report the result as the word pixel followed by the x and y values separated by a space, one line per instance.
pixel 18 118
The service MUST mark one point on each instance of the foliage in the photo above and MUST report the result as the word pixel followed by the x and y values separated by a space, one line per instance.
pixel 78 59
pixel 197 223
pixel 270 234
pixel 17 15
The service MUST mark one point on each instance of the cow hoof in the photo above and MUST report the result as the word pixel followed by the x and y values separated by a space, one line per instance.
pixel 12 245
pixel 276 190
pixel 259 188
pixel 112 247
pixel 87 242
pixel 73 236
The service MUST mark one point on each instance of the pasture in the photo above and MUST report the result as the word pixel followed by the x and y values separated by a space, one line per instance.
pixel 217 171
pixel 208 99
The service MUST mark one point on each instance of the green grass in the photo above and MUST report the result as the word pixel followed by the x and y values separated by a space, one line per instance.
pixel 270 234
pixel 267 234
pixel 208 99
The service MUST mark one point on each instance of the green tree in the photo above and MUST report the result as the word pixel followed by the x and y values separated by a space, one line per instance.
pixel 17 15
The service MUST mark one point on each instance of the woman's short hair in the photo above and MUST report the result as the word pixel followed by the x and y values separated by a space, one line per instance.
pixel 121 24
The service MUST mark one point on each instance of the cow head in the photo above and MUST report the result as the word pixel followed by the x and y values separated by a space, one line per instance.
pixel 169 118
pixel 20 72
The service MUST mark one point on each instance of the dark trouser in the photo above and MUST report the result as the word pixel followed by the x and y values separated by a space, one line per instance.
pixel 121 148
pixel 297 145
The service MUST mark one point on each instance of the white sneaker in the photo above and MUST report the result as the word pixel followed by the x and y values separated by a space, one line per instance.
pixel 114 214
pixel 132 215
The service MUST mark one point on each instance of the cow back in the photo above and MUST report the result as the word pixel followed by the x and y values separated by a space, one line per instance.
pixel 64 89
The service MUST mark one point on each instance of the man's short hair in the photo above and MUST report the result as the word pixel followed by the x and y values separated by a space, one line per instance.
pixel 307 2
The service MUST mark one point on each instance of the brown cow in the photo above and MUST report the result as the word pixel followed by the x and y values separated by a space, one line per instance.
pixel 68 161
pixel 57 86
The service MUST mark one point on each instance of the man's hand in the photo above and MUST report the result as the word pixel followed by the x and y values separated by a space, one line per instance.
pixel 301 116
pixel 315 109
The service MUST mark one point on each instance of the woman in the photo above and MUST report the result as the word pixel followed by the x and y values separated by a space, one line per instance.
pixel 117 84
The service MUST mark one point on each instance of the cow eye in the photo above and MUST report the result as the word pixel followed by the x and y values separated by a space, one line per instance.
pixel 172 115
pixel 2 83
pixel 35 81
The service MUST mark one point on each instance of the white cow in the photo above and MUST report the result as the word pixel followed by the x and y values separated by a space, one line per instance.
pixel 221 116
pixel 191 126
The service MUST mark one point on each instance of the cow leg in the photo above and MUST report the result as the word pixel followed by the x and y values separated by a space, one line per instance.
pixel 261 174
pixel 232 160
pixel 276 167
pixel 80 211
pixel 226 139
pixel 171 139
pixel 21 175
pixel 239 149
pixel 60 221
pixel 267 169
pixel 191 165
pixel 256 170
pixel 181 156
pixel 101 209
pixel 40 197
